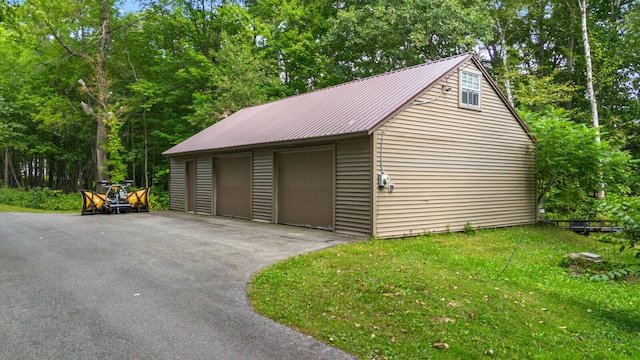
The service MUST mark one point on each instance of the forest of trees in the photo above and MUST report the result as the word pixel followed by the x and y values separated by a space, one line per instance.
pixel 90 92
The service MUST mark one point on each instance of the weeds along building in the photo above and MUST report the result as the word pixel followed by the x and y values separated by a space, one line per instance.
pixel 428 148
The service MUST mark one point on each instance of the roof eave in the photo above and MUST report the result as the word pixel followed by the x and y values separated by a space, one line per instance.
pixel 275 144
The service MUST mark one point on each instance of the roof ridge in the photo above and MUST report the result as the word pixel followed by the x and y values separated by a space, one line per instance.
pixel 362 79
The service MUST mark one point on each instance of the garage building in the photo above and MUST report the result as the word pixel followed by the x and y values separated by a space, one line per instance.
pixel 428 148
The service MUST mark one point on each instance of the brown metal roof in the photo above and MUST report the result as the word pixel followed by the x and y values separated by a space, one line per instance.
pixel 354 107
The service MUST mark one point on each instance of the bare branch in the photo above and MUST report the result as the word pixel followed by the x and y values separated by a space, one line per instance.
pixel 87 108
pixel 133 68
pixel 65 46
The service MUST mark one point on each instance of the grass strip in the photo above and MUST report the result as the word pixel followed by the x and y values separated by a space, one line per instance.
pixel 13 208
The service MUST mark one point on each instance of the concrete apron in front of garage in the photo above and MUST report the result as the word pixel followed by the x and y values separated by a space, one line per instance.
pixel 159 285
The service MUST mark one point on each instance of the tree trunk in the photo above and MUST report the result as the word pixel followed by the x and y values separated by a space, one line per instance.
pixel 146 149
pixel 29 176
pixel 504 58
pixel 13 172
pixel 40 166
pixel 592 94
pixel 102 172
pixel 101 93
pixel 133 158
pixel 571 41
pixel 7 158
pixel 50 172
pixel 103 89
pixel 541 39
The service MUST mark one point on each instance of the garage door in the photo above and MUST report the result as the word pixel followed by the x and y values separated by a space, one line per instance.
pixel 305 188
pixel 233 186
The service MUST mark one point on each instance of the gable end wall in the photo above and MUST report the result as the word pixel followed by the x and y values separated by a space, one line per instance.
pixel 451 166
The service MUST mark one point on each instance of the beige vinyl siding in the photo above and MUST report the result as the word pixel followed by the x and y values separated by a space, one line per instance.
pixel 353 187
pixel 262 195
pixel 450 166
pixel 190 188
pixel 176 183
pixel 204 186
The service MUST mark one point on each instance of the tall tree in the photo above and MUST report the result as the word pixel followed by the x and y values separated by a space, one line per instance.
pixel 505 16
pixel 587 55
pixel 592 93
pixel 90 40
pixel 7 15
pixel 241 78
pixel 13 134
pixel 292 33
pixel 375 36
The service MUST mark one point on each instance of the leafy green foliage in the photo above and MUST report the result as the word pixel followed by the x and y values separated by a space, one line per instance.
pixel 616 274
pixel 372 37
pixel 291 33
pixel 571 164
pixel 602 270
pixel 56 200
pixel 158 198
pixel 626 211
pixel 237 82
pixel 536 94
pixel 11 132
pixel 41 198
pixel 115 149
pixel 7 15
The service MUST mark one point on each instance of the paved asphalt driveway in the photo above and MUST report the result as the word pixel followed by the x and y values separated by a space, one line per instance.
pixel 159 285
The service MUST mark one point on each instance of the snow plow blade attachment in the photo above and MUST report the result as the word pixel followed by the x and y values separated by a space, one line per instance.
pixel 139 200
pixel 115 200
pixel 92 202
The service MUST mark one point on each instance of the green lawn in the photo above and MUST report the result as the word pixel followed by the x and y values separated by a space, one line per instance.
pixel 395 299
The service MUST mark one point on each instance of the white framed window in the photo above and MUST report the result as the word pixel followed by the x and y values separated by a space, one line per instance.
pixel 470 94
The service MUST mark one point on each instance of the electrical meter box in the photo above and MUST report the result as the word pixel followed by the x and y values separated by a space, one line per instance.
pixel 383 180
